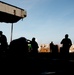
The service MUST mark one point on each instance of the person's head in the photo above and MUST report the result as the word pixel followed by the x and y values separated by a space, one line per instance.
pixel 33 39
pixel 66 36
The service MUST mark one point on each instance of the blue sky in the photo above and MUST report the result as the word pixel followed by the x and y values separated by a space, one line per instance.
pixel 47 20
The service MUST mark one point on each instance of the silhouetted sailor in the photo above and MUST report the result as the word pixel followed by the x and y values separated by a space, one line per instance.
pixel 34 45
pixel 53 48
pixel 3 42
pixel 66 42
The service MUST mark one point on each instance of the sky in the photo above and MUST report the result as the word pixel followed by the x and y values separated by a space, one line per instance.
pixel 47 20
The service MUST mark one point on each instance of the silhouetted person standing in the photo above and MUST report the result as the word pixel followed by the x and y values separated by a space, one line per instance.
pixel 34 45
pixel 3 42
pixel 51 46
pixel 66 42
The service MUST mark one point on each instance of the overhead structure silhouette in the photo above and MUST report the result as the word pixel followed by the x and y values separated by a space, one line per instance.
pixel 11 14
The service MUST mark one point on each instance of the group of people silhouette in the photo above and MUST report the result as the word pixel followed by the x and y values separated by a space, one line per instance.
pixel 66 44
pixel 20 46
pixel 17 46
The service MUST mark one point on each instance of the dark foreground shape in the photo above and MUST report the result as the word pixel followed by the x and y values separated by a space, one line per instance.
pixel 37 64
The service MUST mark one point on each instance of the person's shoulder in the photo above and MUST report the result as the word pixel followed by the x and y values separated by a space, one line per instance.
pixel 3 36
pixel 63 39
pixel 69 38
